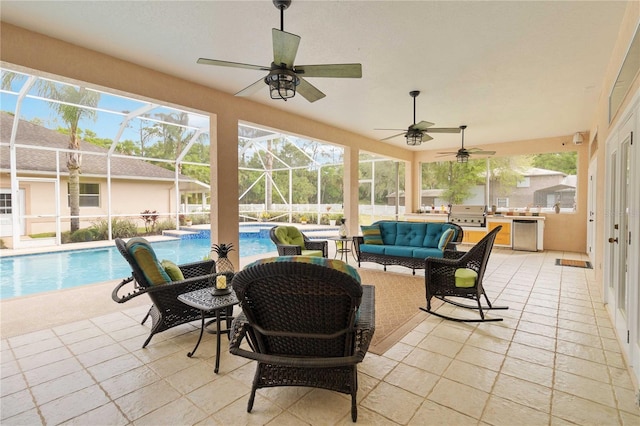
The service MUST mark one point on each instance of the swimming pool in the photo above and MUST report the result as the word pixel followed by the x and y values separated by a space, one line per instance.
pixel 37 273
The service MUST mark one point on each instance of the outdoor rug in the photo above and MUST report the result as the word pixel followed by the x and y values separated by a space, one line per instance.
pixel 398 301
pixel 574 263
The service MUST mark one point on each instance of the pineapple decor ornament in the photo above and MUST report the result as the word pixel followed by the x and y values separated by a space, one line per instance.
pixel 223 264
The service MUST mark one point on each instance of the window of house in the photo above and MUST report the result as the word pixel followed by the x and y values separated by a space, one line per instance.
pixel 524 183
pixel 5 203
pixel 502 202
pixel 89 195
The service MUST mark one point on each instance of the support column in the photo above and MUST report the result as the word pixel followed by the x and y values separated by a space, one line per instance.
pixel 351 185
pixel 224 183
pixel 412 185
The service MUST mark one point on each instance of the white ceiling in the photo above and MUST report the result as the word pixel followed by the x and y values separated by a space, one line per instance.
pixel 510 70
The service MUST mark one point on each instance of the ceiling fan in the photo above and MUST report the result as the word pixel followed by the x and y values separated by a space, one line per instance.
pixel 284 78
pixel 417 133
pixel 463 154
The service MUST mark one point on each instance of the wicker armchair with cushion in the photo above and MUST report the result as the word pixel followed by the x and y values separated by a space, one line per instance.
pixel 163 282
pixel 291 242
pixel 306 321
pixel 459 275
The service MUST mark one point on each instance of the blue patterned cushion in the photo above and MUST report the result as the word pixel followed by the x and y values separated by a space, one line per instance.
pixel 145 257
pixel 329 263
pixel 371 234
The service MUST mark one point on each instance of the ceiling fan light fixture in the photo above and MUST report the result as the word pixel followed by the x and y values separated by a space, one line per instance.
pixel 282 84
pixel 462 158
pixel 414 137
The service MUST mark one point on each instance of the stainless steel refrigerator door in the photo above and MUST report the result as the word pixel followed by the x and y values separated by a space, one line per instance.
pixel 525 235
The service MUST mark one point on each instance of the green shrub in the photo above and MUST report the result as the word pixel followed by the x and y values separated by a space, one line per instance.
pixel 120 228
pixel 82 235
pixel 164 225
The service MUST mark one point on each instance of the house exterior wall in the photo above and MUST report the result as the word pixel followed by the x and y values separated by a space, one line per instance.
pixel 129 198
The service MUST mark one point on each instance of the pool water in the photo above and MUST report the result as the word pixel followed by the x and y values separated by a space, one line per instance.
pixel 37 273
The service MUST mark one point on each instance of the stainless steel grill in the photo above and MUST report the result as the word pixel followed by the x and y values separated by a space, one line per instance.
pixel 468 215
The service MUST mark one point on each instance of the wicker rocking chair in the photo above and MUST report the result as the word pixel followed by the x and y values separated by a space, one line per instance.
pixel 459 275
pixel 305 324
pixel 167 311
pixel 291 242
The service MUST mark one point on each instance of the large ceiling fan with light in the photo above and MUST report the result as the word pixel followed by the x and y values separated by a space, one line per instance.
pixel 285 78
pixel 463 154
pixel 419 132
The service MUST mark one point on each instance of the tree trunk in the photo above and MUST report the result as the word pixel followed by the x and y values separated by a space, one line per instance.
pixel 74 160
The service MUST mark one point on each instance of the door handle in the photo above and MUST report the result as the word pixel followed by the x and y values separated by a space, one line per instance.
pixel 613 240
pixel 590 220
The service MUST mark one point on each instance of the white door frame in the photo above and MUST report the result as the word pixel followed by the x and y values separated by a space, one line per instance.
pixel 622 227
pixel 591 207
pixel 17 207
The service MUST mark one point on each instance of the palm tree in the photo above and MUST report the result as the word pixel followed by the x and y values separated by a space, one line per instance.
pixel 72 104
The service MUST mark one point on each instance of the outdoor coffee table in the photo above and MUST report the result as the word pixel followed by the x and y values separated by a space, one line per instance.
pixel 344 249
pixel 206 302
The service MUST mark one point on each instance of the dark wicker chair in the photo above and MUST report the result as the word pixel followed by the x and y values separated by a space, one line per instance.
pixel 295 250
pixel 167 311
pixel 303 326
pixel 440 280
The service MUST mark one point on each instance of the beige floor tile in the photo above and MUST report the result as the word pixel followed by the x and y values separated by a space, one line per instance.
pixel 398 351
pixel 29 417
pixel 523 392
pixel 626 400
pixel 535 340
pixel 108 414
pixel 54 389
pixel 288 419
pixel 581 351
pixel 392 402
pixel 412 379
pixel 114 367
pixel 472 375
pixel 44 358
pixel 440 345
pixel 283 396
pixel 144 400
pixel 480 339
pixel 501 411
pixel 12 384
pixel 428 361
pixel 376 366
pixel 73 405
pixel 583 387
pixel 177 412
pixel 528 371
pixel 15 403
pixel 219 393
pixel 129 381
pixel 431 413
pixel 459 397
pixel 531 354
pixel 581 411
pixel 52 371
pixel 481 357
pixel 582 367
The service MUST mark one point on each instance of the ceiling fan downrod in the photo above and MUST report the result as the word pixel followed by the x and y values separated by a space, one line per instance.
pixel 462 128
pixel 282 5
pixel 414 94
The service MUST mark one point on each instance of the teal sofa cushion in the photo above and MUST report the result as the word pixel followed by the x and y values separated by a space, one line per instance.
pixel 372 248
pixel 410 234
pixel 388 232
pixel 402 251
pixel 423 253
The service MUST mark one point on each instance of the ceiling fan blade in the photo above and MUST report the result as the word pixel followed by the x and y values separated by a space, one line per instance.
pixel 392 129
pixel 309 91
pixel 205 61
pixel 285 47
pixel 479 151
pixel 250 90
pixel 423 125
pixel 330 70
pixel 443 130
pixel 426 137
pixel 394 136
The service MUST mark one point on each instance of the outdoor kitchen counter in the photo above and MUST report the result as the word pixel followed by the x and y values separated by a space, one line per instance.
pixel 473 234
pixel 505 237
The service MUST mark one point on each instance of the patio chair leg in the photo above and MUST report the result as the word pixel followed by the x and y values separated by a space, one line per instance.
pixel 146 316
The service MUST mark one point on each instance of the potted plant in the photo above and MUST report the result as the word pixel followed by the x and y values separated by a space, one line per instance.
pixel 304 219
pixel 556 207
pixel 264 216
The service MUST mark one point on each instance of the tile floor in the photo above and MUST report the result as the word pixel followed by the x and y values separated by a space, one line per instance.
pixel 554 360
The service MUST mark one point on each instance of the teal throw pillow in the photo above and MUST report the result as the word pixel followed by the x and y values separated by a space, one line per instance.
pixel 445 238
pixel 371 234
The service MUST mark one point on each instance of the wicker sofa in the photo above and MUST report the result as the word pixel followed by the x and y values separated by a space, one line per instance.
pixel 406 243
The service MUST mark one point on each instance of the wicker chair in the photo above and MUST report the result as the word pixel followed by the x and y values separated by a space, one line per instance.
pixel 306 325
pixel 287 249
pixel 167 311
pixel 459 274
